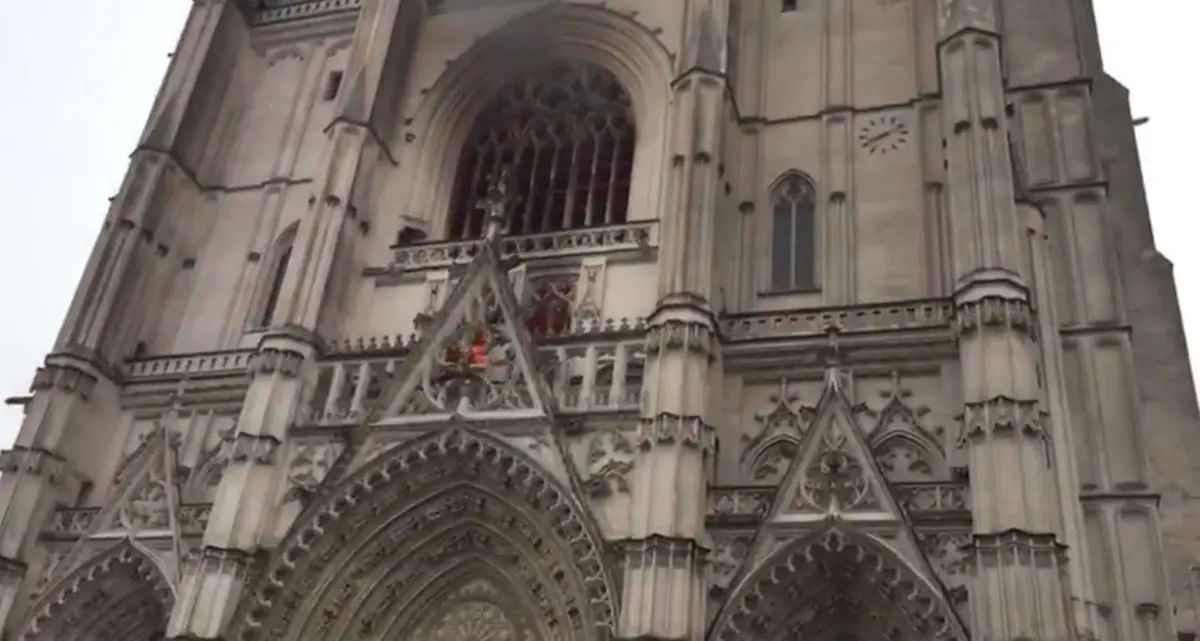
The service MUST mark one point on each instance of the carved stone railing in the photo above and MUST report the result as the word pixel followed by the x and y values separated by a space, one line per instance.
pixel 634 236
pixel 739 503
pixel 72 523
pixel 602 375
pixel 926 501
pixel 926 314
pixel 189 365
pixel 287 10
pixel 734 504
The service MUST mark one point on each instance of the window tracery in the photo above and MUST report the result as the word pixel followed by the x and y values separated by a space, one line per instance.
pixel 568 132
pixel 793 235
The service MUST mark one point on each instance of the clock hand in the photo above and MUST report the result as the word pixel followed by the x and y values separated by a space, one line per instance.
pixel 884 134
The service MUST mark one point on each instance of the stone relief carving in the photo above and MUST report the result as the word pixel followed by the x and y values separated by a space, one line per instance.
pixel 308 467
pixel 610 459
pixel 781 427
pixel 729 552
pixel 907 450
pixel 949 555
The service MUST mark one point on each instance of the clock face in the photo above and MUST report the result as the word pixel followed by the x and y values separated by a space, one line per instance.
pixel 882 134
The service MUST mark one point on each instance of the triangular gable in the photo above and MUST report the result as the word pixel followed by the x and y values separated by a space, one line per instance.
pixel 834 474
pixel 834 479
pixel 146 502
pixel 477 359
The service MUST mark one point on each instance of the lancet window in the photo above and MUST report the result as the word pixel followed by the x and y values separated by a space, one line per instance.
pixel 793 235
pixel 568 133
pixel 278 260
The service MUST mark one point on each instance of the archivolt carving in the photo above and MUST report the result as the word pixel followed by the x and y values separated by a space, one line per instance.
pixel 374 555
pixel 118 595
pixel 836 582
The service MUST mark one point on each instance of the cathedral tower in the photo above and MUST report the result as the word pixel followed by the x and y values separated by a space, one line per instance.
pixel 637 320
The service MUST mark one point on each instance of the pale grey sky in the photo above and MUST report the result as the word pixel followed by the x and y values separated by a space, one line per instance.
pixel 81 75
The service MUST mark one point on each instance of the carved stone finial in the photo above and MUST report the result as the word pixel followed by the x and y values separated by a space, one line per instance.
pixel 496 204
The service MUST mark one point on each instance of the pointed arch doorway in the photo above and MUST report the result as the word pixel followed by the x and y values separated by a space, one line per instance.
pixel 117 595
pixel 453 536
pixel 836 585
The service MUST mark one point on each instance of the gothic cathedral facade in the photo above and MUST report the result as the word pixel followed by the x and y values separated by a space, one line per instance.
pixel 624 320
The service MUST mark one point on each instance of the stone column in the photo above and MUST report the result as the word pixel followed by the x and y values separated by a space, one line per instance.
pixel 665 566
pixel 35 473
pixel 246 496
pixel 1019 589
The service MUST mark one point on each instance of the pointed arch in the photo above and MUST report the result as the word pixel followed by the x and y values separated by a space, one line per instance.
pixel 767 460
pixel 271 281
pixel 905 457
pixel 589 34
pixel 568 132
pixel 793 264
pixel 120 594
pixel 404 537
pixel 832 582
pixel 906 451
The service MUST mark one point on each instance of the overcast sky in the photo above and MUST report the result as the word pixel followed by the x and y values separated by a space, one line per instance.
pixel 81 75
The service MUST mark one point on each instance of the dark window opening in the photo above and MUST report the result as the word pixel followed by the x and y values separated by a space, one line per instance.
pixel 793 236
pixel 789 5
pixel 333 85
pixel 568 135
pixel 272 300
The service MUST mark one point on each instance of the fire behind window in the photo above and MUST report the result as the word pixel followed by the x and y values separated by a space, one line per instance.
pixel 550 306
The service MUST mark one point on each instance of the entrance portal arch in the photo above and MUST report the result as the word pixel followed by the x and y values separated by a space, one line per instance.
pixel 837 585
pixel 455 534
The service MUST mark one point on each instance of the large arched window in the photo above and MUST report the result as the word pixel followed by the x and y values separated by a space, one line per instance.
pixel 793 235
pixel 568 133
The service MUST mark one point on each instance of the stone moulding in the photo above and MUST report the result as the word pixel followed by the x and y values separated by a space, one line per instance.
pixel 276 11
pixel 856 319
pixel 267 12
pixel 68 524
pixel 637 236
pixel 923 502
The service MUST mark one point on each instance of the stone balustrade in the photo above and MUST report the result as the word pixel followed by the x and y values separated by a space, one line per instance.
pixel 601 375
